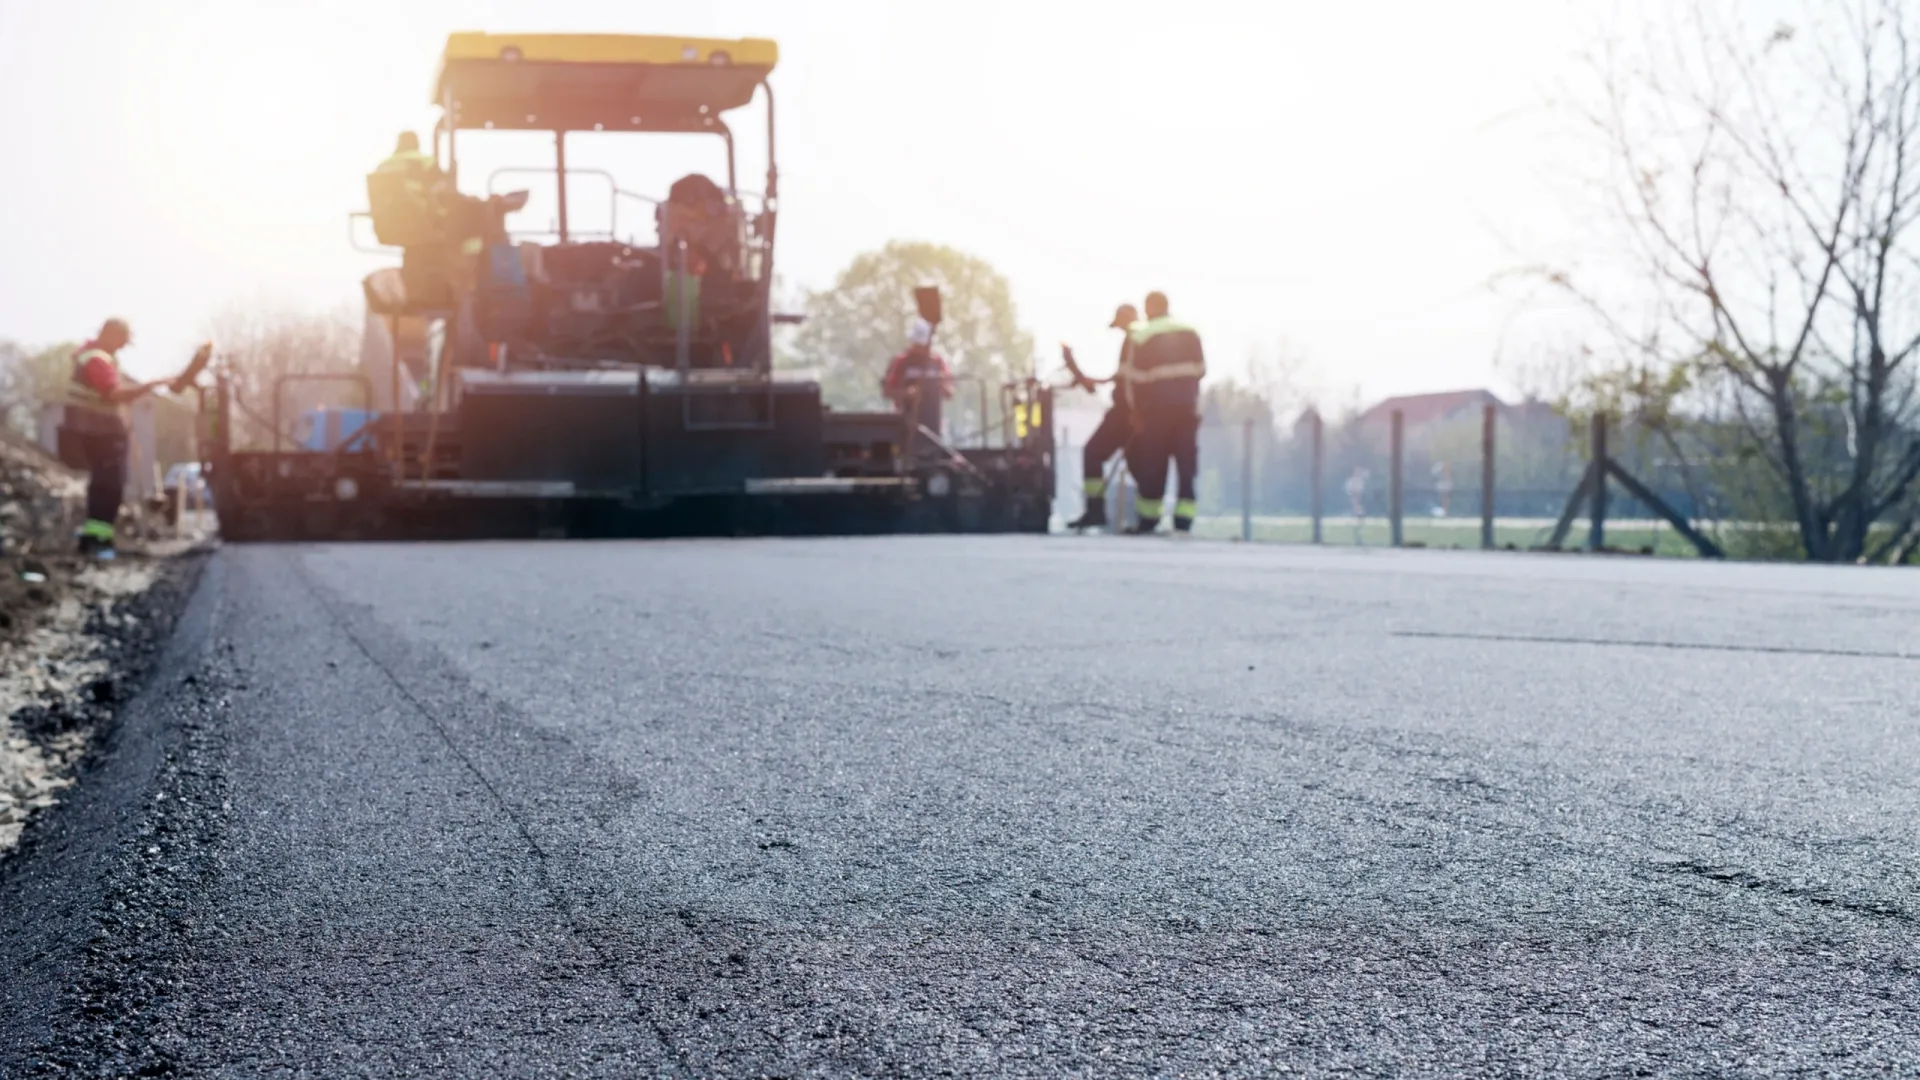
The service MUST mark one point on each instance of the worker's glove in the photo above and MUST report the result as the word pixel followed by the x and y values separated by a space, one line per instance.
pixel 185 380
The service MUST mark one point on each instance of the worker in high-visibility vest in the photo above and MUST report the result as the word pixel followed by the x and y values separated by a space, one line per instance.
pixel 93 433
pixel 1116 427
pixel 1167 366
pixel 408 196
pixel 918 381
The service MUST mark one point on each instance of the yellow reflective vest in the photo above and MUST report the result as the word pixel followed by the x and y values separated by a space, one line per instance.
pixel 1165 349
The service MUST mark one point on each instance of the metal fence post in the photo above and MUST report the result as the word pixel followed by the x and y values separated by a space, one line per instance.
pixel 1395 480
pixel 1597 516
pixel 1319 474
pixel 1246 480
pixel 1486 478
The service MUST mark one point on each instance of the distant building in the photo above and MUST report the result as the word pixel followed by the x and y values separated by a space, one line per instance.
pixel 1532 421
pixel 1420 410
pixel 1303 425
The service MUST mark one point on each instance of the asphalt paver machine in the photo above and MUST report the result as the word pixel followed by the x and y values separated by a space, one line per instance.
pixel 585 383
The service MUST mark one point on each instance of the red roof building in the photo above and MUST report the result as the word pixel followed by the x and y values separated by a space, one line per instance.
pixel 1419 409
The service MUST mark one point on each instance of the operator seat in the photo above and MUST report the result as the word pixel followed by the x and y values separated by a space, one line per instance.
pixel 503 307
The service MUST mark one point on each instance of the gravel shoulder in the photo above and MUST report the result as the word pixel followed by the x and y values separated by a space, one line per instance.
pixel 76 638
pixel 77 750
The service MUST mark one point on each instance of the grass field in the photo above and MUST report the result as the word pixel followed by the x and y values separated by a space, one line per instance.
pixel 1739 540
pixel 1521 533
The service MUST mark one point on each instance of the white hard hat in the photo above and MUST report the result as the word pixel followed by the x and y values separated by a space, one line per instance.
pixel 921 333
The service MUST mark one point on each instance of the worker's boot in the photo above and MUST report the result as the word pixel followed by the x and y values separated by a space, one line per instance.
pixel 1145 526
pixel 1183 517
pixel 1093 517
pixel 96 539
pixel 1093 490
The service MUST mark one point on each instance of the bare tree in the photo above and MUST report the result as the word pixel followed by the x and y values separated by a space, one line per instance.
pixel 1768 182
pixel 29 380
pixel 263 346
pixel 1284 376
pixel 19 397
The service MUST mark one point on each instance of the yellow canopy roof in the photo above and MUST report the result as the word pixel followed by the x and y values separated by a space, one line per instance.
pixel 572 82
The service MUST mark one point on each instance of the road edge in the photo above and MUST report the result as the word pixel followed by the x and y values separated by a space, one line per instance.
pixel 64 878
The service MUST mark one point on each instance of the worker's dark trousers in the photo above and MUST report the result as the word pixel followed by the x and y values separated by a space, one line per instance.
pixel 1186 466
pixel 1169 431
pixel 1108 439
pixel 1164 439
pixel 105 457
pixel 925 401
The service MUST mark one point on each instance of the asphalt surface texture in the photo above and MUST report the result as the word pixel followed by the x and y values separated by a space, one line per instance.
pixel 990 807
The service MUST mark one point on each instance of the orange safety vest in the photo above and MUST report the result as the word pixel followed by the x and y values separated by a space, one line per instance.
pixel 88 410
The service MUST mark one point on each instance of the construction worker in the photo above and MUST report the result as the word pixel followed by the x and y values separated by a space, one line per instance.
pixel 407 195
pixel 1167 366
pixel 1116 427
pixel 442 233
pixel 917 379
pixel 93 432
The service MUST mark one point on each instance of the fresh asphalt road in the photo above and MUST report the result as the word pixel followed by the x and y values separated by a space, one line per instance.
pixel 1002 806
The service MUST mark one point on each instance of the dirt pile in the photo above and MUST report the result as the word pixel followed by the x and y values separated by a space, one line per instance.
pixel 42 501
pixel 75 636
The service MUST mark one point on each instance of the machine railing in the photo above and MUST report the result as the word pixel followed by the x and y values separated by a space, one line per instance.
pixel 753 205
pixel 984 424
pixel 615 193
pixel 279 392
pixel 1020 412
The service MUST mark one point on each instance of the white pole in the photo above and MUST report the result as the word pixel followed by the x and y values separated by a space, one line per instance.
pixel 1246 481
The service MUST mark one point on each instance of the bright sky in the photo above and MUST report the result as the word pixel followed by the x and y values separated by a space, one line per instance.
pixel 1343 175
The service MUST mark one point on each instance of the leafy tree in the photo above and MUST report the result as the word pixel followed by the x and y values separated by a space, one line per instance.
pixel 855 327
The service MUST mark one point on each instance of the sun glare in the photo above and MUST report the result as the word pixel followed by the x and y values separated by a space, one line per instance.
pixel 253 121
pixel 1320 173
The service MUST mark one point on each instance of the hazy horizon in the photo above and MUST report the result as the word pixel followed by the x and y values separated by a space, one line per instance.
pixel 1347 180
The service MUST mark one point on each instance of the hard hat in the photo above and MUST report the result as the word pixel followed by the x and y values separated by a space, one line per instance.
pixel 1124 316
pixel 921 332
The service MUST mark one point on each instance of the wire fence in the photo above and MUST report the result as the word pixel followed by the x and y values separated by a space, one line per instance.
pixel 1495 477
